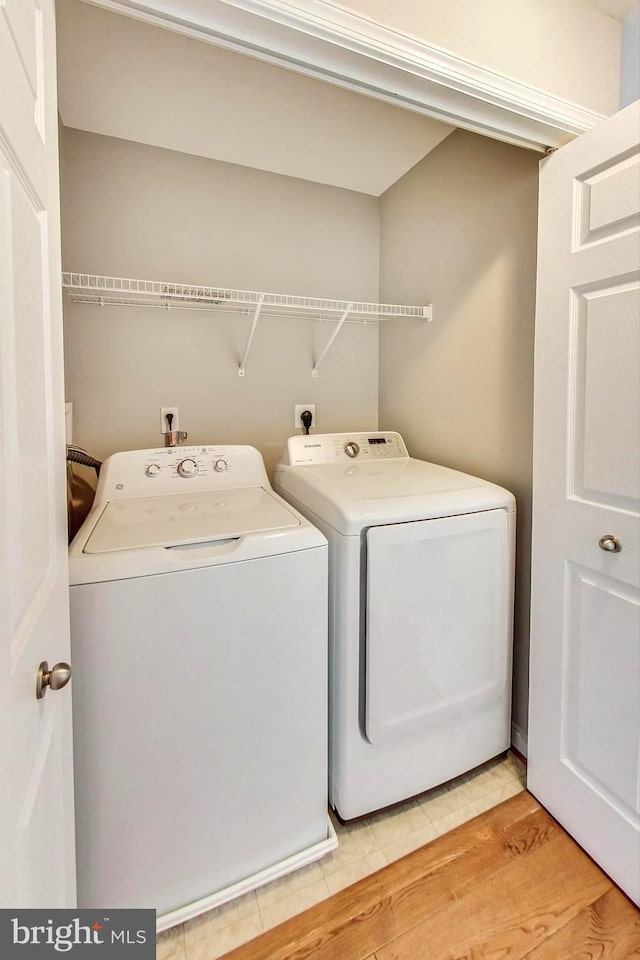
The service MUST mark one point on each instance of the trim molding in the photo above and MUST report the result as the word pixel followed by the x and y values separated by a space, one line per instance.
pixel 321 39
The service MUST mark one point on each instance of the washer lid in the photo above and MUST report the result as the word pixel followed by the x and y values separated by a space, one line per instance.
pixel 351 497
pixel 188 518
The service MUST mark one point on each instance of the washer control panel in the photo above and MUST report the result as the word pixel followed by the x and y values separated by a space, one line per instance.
pixel 143 473
pixel 341 447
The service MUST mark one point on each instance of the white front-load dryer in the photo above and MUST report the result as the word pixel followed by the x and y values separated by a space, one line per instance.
pixel 421 565
pixel 199 647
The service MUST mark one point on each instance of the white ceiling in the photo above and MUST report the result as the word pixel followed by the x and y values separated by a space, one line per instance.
pixel 615 8
pixel 124 78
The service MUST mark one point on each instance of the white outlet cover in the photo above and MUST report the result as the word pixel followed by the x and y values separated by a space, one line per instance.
pixel 299 409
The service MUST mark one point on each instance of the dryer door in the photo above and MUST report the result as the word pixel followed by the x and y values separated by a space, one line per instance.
pixel 438 623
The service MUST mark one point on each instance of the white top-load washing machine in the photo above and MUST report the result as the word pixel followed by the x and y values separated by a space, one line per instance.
pixel 199 648
pixel 421 562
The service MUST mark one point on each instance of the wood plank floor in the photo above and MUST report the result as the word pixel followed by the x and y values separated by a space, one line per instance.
pixel 507 885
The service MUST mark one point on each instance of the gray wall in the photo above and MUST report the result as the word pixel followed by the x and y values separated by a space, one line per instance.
pixel 460 229
pixel 137 211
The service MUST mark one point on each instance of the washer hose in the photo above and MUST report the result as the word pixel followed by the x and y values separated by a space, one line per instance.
pixel 78 455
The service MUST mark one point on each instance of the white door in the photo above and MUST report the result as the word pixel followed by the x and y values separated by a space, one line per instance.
pixel 36 790
pixel 584 729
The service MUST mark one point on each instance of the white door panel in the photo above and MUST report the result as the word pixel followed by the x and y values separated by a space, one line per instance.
pixel 606 407
pixel 584 729
pixel 608 198
pixel 23 18
pixel 36 797
pixel 600 681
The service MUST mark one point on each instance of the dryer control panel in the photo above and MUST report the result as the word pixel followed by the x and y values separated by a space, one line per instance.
pixel 170 470
pixel 344 447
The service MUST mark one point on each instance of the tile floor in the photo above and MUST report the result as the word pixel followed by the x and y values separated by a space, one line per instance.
pixel 365 847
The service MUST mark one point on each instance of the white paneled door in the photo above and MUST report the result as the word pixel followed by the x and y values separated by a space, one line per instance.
pixel 36 789
pixel 584 726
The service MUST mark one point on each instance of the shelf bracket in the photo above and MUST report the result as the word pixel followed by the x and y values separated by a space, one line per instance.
pixel 339 325
pixel 256 315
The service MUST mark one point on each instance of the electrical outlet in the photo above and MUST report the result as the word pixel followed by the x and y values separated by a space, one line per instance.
pixel 299 409
pixel 175 423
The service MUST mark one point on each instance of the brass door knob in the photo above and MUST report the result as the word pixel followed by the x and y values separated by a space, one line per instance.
pixel 56 678
pixel 610 543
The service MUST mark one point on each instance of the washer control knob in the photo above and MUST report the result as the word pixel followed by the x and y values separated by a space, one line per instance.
pixel 153 470
pixel 351 448
pixel 220 466
pixel 187 468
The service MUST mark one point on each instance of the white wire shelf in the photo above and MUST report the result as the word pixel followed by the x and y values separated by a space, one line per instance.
pixel 105 291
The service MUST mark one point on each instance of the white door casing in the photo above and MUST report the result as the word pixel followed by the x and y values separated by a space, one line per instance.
pixel 584 726
pixel 36 788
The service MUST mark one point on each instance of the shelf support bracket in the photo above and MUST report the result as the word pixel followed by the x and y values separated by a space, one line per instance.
pixel 339 325
pixel 256 315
